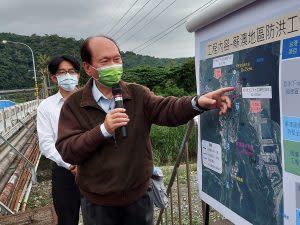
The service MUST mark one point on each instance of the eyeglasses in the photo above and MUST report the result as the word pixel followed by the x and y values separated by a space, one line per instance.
pixel 70 71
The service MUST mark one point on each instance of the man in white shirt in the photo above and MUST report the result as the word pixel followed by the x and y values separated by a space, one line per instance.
pixel 64 71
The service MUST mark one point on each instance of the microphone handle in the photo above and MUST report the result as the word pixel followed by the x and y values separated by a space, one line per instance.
pixel 124 131
pixel 119 104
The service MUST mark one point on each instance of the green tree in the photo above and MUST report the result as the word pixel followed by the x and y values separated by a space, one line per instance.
pixel 15 61
pixel 184 76
pixel 146 75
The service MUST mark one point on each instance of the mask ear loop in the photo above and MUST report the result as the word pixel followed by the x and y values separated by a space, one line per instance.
pixel 97 71
pixel 94 67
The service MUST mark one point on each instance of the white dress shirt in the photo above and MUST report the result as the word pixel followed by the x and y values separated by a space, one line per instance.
pixel 47 127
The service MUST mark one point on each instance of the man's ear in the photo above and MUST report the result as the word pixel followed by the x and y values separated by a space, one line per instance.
pixel 54 79
pixel 88 69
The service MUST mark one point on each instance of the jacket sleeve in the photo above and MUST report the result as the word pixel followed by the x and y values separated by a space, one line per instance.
pixel 73 143
pixel 168 111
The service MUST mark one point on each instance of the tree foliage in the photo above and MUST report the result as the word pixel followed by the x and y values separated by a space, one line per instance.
pixel 176 81
pixel 16 69
pixel 163 76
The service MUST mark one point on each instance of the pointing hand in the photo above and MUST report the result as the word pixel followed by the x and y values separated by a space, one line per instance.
pixel 216 100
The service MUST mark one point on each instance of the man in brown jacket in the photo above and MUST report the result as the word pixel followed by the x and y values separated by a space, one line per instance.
pixel 113 172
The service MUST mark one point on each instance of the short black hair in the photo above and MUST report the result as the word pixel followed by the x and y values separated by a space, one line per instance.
pixel 56 61
pixel 85 51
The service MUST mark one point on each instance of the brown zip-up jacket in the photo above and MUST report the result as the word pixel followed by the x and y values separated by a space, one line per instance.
pixel 115 171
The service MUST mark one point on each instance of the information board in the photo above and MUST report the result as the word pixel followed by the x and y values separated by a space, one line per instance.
pixel 247 175
pixel 249 159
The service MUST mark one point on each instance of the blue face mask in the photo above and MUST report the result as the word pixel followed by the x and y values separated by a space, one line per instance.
pixel 67 81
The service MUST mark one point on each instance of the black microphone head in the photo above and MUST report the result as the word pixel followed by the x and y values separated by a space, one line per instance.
pixel 116 90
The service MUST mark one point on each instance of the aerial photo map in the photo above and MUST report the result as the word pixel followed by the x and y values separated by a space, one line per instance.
pixel 241 151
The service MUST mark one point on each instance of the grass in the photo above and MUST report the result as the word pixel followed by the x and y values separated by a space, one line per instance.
pixel 41 192
pixel 166 142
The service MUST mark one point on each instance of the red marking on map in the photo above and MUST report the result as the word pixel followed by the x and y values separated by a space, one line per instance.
pixel 255 106
pixel 218 73
pixel 244 148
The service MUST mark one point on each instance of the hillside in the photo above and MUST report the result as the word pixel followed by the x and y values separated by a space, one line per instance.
pixel 16 61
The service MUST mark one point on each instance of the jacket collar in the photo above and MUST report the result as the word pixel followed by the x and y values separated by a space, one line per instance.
pixel 87 98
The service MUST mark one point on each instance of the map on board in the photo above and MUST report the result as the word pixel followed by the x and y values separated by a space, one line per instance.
pixel 241 151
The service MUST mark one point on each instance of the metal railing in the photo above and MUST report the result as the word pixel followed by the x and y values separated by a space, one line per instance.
pixel 10 117
pixel 19 155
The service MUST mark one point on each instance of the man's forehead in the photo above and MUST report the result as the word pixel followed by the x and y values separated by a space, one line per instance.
pixel 65 63
pixel 101 42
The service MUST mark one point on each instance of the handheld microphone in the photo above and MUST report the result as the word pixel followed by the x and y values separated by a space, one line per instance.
pixel 118 97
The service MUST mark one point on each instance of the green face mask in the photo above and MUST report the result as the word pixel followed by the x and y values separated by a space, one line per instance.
pixel 110 75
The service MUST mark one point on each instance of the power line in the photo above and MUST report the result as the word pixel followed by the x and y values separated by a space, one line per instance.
pixel 179 22
pixel 144 17
pixel 123 16
pixel 212 2
pixel 151 20
pixel 110 17
pixel 132 17
pixel 160 37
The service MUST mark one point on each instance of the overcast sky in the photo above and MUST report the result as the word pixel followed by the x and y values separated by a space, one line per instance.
pixel 83 18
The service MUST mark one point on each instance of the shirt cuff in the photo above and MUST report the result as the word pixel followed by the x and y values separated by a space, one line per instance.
pixel 104 131
pixel 67 166
pixel 195 107
pixel 193 101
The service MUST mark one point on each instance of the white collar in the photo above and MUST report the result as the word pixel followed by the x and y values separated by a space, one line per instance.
pixel 97 94
pixel 58 97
